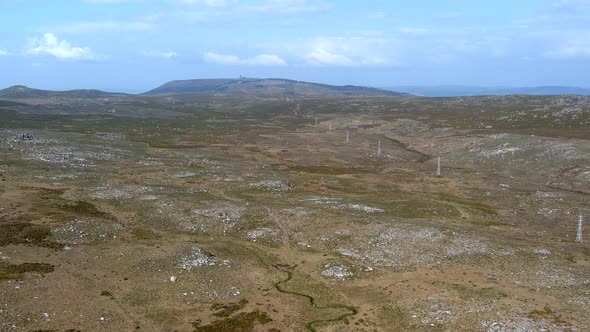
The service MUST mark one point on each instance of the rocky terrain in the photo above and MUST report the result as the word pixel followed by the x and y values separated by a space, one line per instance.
pixel 203 212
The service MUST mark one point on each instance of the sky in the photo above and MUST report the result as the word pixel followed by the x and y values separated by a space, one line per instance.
pixel 136 45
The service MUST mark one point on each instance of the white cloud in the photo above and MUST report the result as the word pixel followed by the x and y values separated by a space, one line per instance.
pixel 49 44
pixel 369 49
pixel 3 52
pixel 266 60
pixel 159 54
pixel 259 60
pixel 322 56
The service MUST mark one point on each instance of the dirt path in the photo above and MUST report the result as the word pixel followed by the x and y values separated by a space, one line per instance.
pixel 284 233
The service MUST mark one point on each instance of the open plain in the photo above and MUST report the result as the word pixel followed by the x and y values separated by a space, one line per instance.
pixel 217 212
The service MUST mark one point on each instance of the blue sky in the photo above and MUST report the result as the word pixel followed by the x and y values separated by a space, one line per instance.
pixel 135 45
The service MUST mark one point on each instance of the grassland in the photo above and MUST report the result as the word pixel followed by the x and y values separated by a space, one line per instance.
pixel 235 213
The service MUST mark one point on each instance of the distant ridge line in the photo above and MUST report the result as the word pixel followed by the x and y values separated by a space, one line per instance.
pixel 24 92
pixel 271 87
pixel 466 91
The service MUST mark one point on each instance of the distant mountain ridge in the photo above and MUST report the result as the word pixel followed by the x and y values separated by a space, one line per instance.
pixel 23 92
pixel 271 87
pixel 276 88
pixel 460 91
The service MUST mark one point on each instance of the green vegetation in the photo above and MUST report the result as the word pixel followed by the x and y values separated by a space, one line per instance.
pixel 311 326
pixel 241 322
pixel 11 271
pixel 570 258
pixel 468 292
pixel 398 318
pixel 141 296
pixel 415 208
pixel 52 204
pixel 468 203
pixel 107 294
pixel 547 313
pixel 82 208
pixel 329 170
pixel 171 167
pixel 225 310
pixel 143 233
pixel 6 103
pixel 175 146
pixel 28 234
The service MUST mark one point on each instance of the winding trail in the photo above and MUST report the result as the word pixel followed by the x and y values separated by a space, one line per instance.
pixel 310 326
pixel 284 232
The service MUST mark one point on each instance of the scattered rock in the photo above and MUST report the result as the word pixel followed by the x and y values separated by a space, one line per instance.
pixel 336 271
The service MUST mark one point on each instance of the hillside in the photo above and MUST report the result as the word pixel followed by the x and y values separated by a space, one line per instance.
pixel 462 91
pixel 23 92
pixel 266 88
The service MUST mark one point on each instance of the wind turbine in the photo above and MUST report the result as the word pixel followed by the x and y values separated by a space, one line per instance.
pixel 579 233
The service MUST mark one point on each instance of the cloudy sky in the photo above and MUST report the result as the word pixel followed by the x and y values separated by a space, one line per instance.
pixel 135 45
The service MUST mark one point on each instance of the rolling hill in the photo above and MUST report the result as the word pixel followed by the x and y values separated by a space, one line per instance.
pixel 23 92
pixel 266 88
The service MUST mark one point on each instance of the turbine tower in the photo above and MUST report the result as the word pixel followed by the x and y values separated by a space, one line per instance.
pixel 579 234
pixel 438 167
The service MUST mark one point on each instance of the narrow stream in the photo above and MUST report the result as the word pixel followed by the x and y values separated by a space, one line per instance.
pixel 310 326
